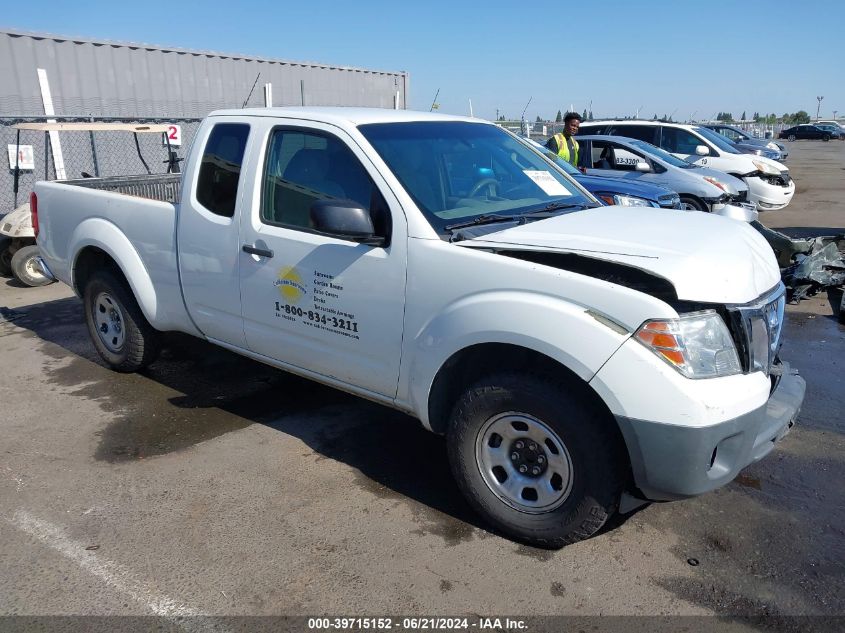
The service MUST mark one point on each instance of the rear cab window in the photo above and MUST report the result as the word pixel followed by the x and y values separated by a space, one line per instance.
pixel 220 168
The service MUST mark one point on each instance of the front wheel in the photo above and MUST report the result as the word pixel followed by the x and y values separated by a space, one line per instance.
pixel 26 270
pixel 826 138
pixel 120 332
pixel 535 460
pixel 689 203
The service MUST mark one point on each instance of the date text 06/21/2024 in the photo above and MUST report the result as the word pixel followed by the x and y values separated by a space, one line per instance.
pixel 415 624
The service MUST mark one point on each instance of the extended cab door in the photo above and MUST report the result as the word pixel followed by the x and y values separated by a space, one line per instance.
pixel 321 303
pixel 208 232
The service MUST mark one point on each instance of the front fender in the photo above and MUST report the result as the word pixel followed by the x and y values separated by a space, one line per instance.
pixel 106 236
pixel 567 333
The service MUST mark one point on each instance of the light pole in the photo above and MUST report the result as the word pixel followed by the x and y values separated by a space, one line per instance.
pixel 819 99
pixel 834 114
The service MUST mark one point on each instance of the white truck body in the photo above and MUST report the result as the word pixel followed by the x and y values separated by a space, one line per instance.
pixel 390 321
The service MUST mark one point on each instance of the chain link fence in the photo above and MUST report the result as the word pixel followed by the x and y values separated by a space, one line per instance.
pixel 83 154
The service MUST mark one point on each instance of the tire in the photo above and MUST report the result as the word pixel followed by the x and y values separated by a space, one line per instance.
pixel 25 270
pixel 688 203
pixel 791 137
pixel 5 256
pixel 826 138
pixel 580 480
pixel 121 334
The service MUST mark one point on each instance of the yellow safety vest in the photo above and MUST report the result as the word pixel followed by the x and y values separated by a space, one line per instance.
pixel 563 149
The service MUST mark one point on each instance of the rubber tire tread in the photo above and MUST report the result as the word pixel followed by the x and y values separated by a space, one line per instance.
pixel 19 260
pixel 142 342
pixel 598 461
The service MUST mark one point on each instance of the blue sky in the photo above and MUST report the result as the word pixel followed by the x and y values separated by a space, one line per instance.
pixel 679 57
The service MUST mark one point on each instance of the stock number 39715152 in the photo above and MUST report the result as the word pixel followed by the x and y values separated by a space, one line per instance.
pixel 317 317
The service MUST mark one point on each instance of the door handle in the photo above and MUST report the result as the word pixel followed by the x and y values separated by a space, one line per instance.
pixel 254 250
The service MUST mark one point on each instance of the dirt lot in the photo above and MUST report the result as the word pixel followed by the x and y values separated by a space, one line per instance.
pixel 214 485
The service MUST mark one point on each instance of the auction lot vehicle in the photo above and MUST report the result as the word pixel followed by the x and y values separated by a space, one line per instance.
pixel 614 191
pixel 769 183
pixel 808 133
pixel 577 357
pixel 749 144
pixel 699 188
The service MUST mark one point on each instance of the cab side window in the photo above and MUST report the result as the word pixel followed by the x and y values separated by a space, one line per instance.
pixel 678 141
pixel 645 133
pixel 220 168
pixel 303 167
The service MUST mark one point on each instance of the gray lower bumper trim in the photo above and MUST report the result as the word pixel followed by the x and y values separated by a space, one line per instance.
pixel 673 462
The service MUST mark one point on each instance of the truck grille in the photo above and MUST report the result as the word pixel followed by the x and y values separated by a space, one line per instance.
pixel 757 329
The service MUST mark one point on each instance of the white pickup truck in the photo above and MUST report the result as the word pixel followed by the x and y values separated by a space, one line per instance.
pixel 578 358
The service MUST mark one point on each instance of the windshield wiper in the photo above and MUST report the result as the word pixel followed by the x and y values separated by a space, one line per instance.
pixel 554 208
pixel 487 218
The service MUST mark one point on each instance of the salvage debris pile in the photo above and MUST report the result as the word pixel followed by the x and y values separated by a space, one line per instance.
pixel 810 265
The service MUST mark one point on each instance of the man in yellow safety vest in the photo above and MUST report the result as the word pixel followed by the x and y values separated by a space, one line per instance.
pixel 564 144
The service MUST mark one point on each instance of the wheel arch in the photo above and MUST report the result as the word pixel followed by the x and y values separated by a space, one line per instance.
pixel 100 243
pixel 472 363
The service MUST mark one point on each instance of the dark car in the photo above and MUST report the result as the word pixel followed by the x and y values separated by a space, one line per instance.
pixel 749 144
pixel 809 132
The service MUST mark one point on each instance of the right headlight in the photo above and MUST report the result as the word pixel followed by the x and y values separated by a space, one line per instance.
pixel 697 344
pixel 765 168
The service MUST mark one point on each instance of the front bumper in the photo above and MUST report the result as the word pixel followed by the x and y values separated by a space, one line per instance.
pixel 674 462
pixel 769 197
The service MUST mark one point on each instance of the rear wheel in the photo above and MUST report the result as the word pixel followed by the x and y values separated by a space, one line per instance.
pixel 791 137
pixel 826 137
pixel 121 334
pixel 532 458
pixel 26 270
pixel 689 203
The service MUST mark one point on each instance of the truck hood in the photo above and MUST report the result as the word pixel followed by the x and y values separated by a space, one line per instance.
pixel 706 258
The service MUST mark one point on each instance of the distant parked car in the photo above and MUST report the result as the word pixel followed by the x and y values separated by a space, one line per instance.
pixel 808 132
pixel 831 127
pixel 770 186
pixel 700 188
pixel 838 125
pixel 750 145
pixel 613 190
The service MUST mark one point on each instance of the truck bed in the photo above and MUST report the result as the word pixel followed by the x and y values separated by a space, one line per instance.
pixel 164 187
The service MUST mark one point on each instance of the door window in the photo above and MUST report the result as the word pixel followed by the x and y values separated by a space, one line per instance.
pixel 303 167
pixel 220 169
pixel 679 141
pixel 645 133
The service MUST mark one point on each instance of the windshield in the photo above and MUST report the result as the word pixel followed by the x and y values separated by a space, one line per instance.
pixel 458 171
pixel 665 156
pixel 718 140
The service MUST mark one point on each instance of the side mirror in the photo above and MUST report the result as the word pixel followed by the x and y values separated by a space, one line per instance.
pixel 642 166
pixel 702 150
pixel 345 219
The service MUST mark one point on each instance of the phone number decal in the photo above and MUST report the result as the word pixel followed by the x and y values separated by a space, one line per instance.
pixel 315 318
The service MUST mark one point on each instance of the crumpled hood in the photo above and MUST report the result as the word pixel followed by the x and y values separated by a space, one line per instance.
pixel 707 258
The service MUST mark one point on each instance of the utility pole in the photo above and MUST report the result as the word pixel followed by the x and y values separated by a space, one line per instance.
pixel 834 114
pixel 819 107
